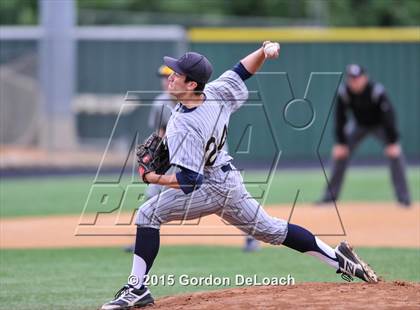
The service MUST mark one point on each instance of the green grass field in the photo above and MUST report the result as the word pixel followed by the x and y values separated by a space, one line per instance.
pixel 67 195
pixel 85 278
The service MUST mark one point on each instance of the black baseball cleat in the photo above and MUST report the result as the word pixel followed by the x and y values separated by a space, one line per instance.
pixel 128 298
pixel 351 265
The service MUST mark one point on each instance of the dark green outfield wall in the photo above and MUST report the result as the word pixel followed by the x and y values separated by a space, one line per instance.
pixel 116 68
pixel 113 67
pixel 396 65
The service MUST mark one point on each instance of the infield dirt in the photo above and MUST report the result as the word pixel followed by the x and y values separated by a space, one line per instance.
pixel 363 224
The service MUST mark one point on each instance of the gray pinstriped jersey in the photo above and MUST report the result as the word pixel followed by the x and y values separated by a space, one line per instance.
pixel 196 138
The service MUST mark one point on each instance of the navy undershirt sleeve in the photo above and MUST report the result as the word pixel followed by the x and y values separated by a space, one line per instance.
pixel 241 71
pixel 189 180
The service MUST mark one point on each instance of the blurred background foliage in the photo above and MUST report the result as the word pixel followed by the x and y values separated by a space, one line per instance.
pixel 227 13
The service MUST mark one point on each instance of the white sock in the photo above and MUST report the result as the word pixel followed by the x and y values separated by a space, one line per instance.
pixel 331 259
pixel 137 272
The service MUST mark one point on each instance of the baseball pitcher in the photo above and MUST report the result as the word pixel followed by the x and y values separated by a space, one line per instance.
pixel 207 181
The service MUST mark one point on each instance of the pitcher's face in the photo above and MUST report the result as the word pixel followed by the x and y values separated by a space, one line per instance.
pixel 177 86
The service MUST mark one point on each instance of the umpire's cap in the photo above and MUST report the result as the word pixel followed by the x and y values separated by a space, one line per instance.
pixel 355 70
pixel 194 65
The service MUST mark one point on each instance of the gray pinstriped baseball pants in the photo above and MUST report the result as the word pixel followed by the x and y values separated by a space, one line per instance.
pixel 222 193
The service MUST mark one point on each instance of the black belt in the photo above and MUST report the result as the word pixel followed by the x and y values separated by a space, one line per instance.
pixel 226 168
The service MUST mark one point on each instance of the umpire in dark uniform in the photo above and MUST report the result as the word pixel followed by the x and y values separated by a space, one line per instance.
pixel 372 114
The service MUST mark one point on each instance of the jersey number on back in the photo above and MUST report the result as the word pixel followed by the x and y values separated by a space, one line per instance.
pixel 212 148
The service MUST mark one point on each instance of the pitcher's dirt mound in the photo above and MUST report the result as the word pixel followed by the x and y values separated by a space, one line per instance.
pixel 385 295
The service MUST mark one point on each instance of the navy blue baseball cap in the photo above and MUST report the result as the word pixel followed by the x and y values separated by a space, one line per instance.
pixel 355 70
pixel 194 65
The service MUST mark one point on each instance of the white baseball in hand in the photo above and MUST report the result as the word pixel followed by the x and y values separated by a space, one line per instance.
pixel 271 50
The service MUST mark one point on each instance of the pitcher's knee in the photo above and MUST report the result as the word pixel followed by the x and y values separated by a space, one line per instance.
pixel 147 215
pixel 274 234
pixel 144 219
